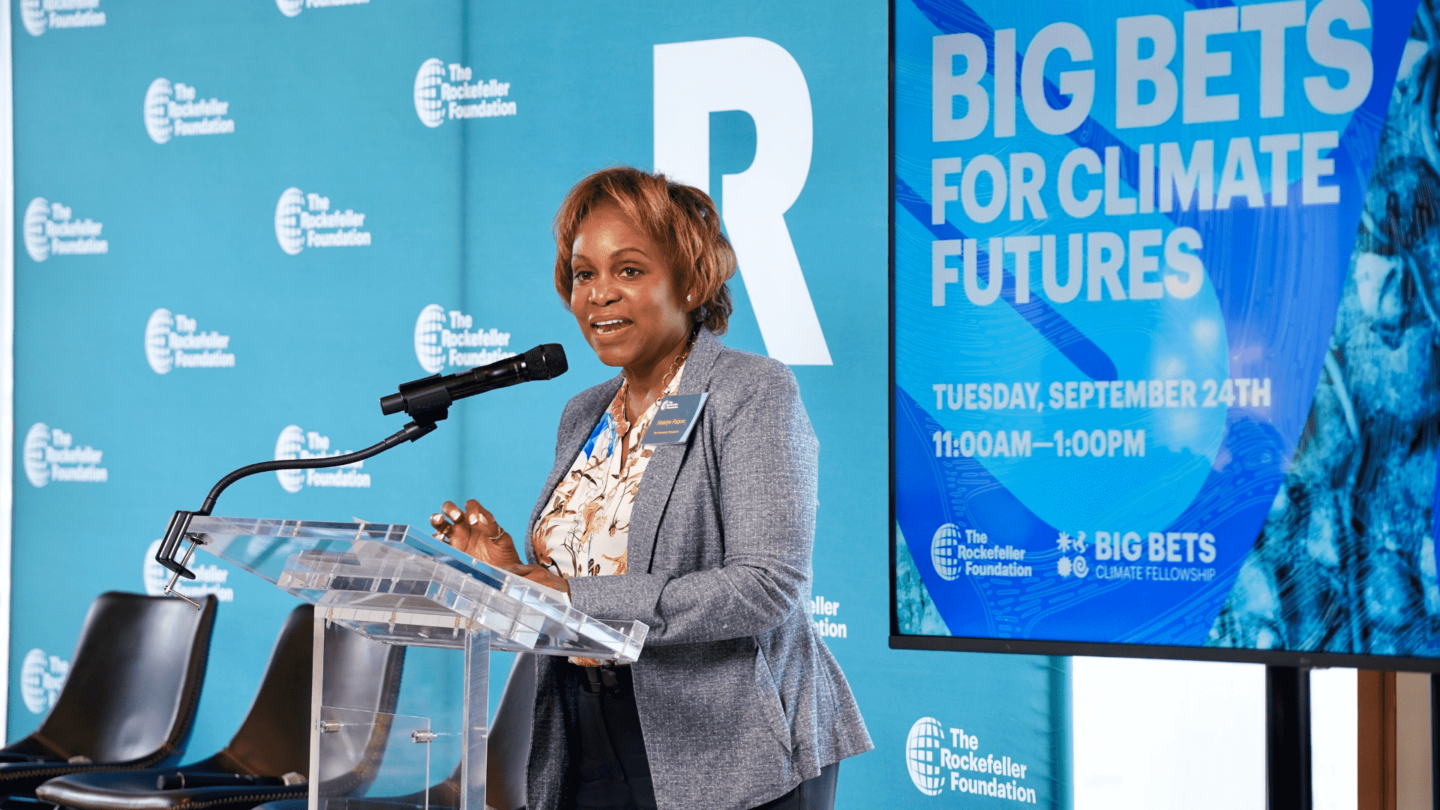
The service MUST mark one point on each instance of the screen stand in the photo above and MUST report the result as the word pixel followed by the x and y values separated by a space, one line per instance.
pixel 1287 738
pixel 1435 740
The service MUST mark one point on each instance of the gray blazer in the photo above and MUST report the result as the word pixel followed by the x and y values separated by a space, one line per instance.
pixel 739 698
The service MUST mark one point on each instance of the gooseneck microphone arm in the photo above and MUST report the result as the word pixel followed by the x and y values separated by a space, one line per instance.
pixel 409 433
pixel 179 529
pixel 426 401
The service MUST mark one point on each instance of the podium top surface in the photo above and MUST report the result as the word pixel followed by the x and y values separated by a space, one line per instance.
pixel 384 580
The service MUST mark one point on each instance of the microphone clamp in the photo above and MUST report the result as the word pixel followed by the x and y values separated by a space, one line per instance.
pixel 425 400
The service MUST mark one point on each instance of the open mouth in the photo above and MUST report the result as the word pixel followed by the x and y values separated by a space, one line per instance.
pixel 609 326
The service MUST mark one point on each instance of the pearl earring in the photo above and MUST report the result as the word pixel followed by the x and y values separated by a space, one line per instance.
pixel 687 298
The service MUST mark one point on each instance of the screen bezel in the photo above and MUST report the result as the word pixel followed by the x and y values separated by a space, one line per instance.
pixel 905 641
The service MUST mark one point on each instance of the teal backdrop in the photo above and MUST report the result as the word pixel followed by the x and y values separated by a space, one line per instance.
pixel 238 224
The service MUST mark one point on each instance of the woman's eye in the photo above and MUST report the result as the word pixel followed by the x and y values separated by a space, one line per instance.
pixel 630 272
pixel 581 275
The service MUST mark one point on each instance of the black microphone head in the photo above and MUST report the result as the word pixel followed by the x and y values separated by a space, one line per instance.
pixel 546 362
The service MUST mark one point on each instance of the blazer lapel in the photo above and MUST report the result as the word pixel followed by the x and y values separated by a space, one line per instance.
pixel 659 478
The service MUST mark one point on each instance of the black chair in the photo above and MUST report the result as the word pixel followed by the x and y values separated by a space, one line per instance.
pixel 274 739
pixel 129 700
pixel 507 756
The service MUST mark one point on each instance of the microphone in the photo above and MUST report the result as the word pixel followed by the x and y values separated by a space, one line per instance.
pixel 427 400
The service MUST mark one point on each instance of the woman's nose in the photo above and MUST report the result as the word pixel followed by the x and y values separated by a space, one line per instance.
pixel 604 291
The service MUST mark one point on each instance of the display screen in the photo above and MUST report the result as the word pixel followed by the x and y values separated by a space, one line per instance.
pixel 1164 329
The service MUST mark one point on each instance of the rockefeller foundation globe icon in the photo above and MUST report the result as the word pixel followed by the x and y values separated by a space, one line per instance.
pixel 945 551
pixel 428 104
pixel 922 755
pixel 287 221
pixel 287 448
pixel 427 339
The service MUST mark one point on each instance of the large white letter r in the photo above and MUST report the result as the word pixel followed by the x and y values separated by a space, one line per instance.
pixel 757 76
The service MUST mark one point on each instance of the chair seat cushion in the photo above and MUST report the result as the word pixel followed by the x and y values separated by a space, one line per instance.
pixel 135 790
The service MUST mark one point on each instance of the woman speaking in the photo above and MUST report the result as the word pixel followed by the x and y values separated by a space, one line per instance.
pixel 735 702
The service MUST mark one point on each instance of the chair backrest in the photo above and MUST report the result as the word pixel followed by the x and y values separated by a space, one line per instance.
pixel 274 738
pixel 360 673
pixel 134 681
pixel 509 749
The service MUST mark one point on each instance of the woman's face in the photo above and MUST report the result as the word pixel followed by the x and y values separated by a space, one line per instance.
pixel 624 296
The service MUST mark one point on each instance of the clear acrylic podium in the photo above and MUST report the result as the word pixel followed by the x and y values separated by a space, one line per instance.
pixel 399 588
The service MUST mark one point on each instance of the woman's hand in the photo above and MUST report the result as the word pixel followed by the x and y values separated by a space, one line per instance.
pixel 476 533
pixel 543 576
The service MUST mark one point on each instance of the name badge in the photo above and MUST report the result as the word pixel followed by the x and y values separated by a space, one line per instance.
pixel 675 419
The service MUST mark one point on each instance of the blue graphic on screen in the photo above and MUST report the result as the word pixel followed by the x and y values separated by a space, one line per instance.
pixel 1123 242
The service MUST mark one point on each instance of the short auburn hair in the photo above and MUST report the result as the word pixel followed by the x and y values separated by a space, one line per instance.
pixel 682 219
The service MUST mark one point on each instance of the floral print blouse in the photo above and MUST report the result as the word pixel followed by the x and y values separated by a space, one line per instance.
pixel 585 527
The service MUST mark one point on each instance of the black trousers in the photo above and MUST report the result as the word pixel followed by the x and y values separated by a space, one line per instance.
pixel 614 772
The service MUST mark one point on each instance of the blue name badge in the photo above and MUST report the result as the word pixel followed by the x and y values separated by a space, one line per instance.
pixel 675 419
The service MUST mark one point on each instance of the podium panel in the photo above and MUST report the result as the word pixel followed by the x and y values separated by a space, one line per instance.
pixel 408 590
